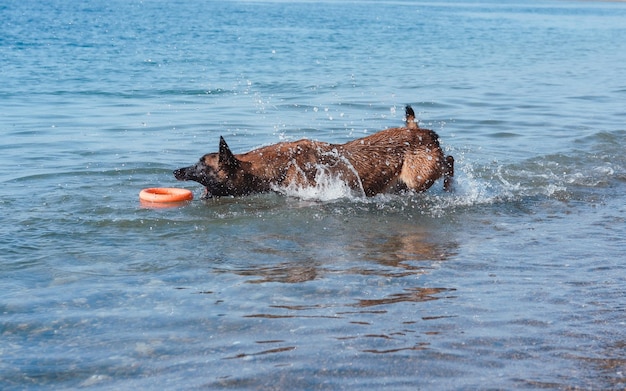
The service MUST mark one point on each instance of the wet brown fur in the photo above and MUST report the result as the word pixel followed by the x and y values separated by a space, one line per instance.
pixel 394 159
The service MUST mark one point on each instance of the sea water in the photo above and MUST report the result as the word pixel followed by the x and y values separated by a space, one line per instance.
pixel 514 280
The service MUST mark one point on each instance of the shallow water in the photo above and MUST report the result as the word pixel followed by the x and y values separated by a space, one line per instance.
pixel 516 279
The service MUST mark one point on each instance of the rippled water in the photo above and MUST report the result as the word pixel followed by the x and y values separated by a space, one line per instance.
pixel 515 280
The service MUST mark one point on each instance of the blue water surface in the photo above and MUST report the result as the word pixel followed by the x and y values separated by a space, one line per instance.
pixel 514 280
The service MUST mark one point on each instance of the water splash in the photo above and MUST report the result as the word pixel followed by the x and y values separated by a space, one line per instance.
pixel 557 177
pixel 328 187
pixel 332 181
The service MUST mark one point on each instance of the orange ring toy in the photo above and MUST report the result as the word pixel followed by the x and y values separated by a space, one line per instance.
pixel 165 194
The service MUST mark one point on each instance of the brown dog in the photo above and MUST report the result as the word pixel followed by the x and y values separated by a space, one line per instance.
pixel 391 160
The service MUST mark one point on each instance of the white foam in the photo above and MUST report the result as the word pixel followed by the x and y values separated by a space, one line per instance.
pixel 328 187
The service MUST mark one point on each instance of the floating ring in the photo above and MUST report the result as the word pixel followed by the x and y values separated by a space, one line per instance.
pixel 165 194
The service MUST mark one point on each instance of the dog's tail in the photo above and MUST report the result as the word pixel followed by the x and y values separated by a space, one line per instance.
pixel 448 173
pixel 410 117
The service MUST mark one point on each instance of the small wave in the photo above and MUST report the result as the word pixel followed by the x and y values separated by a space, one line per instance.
pixel 568 176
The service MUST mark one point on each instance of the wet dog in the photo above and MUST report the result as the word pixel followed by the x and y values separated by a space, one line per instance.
pixel 392 160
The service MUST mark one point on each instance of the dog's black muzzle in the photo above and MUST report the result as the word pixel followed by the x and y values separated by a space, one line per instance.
pixel 189 174
pixel 184 174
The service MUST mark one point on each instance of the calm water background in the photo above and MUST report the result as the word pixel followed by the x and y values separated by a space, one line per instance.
pixel 517 279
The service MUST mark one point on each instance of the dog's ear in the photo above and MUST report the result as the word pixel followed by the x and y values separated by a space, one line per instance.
pixel 226 157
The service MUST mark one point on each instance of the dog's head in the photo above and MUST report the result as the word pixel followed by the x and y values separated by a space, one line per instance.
pixel 221 173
